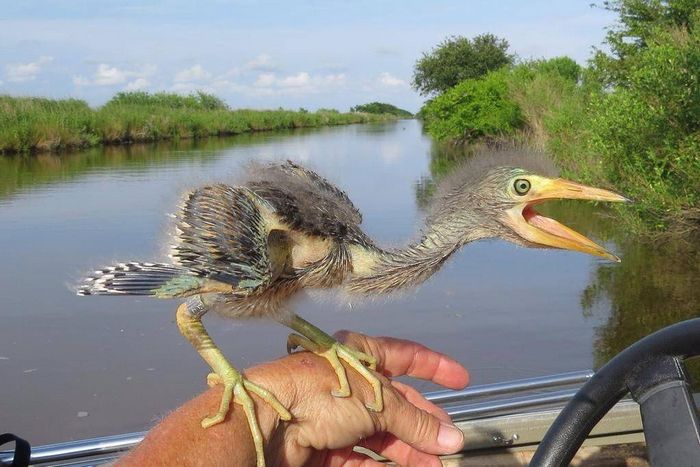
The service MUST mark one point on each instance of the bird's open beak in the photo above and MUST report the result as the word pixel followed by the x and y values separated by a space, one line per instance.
pixel 544 231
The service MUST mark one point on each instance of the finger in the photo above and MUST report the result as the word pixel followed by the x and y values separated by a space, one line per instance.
pixel 398 357
pixel 425 432
pixel 417 399
pixel 392 448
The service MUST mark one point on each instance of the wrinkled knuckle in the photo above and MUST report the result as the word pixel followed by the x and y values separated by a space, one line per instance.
pixel 426 428
pixel 392 398
pixel 374 348
pixel 386 382
pixel 378 420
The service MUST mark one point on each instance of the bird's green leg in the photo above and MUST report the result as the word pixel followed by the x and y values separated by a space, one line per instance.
pixel 236 387
pixel 314 340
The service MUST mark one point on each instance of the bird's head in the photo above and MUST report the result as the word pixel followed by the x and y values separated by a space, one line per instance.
pixel 502 204
pixel 515 193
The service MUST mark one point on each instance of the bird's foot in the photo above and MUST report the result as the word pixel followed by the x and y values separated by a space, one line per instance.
pixel 360 361
pixel 237 388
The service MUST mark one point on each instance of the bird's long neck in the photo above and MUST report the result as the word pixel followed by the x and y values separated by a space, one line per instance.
pixel 389 270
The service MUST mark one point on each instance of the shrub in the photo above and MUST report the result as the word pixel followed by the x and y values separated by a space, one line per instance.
pixel 473 109
pixel 382 108
pixel 198 100
pixel 542 89
pixel 565 67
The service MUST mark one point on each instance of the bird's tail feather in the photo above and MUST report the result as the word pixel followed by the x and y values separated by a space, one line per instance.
pixel 130 279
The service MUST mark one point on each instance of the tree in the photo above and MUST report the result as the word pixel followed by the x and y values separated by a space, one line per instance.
pixel 639 24
pixel 456 59
pixel 382 108
pixel 646 126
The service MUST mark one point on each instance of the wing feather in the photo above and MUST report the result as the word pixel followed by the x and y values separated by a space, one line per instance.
pixel 306 202
pixel 221 234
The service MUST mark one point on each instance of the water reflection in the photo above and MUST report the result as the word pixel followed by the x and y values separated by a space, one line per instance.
pixel 502 311
pixel 655 285
pixel 443 159
pixel 27 172
pixel 122 360
pixel 651 289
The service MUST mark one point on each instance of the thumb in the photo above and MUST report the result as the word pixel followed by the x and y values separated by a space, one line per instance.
pixel 420 429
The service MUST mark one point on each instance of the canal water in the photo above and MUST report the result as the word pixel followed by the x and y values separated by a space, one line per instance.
pixel 74 367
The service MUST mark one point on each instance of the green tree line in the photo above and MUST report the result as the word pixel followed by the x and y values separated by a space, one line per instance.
pixel 32 124
pixel 382 108
pixel 630 119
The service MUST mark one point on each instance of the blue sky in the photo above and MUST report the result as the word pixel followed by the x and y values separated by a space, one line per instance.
pixel 267 54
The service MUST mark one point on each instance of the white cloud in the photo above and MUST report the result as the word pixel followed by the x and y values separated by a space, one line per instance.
pixel 337 79
pixel 137 84
pixel 295 81
pixel 216 86
pixel 265 80
pixel 107 75
pixel 302 82
pixel 194 73
pixel 262 62
pixel 231 73
pixel 387 79
pixel 183 87
pixel 264 84
pixel 18 72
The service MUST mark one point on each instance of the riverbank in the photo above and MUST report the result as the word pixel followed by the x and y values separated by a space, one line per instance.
pixel 610 139
pixel 629 120
pixel 31 124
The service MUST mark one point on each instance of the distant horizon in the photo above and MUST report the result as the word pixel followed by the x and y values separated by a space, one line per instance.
pixel 263 55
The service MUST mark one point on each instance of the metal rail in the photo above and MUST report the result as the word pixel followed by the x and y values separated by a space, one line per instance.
pixel 457 402
pixel 510 387
pixel 78 449
pixel 509 406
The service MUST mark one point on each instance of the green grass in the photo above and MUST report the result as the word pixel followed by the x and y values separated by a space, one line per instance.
pixel 30 124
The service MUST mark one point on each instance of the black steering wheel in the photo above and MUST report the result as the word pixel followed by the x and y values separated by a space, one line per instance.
pixel 652 371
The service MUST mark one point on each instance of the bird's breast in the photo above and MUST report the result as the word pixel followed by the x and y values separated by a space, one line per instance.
pixel 307 250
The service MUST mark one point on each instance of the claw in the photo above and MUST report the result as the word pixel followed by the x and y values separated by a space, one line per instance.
pixel 213 379
pixel 367 359
pixel 236 388
pixel 360 361
pixel 356 360
pixel 230 380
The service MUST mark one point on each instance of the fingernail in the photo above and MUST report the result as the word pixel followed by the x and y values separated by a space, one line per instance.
pixel 450 437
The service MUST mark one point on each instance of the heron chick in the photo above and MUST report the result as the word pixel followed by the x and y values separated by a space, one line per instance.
pixel 243 251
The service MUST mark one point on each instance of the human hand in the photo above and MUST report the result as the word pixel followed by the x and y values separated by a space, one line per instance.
pixel 410 430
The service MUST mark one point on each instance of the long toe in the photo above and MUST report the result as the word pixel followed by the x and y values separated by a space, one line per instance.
pixel 357 361
pixel 237 388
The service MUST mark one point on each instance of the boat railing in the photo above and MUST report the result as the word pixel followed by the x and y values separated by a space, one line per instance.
pixel 488 403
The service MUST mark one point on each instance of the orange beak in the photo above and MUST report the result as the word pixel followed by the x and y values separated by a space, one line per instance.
pixel 547 232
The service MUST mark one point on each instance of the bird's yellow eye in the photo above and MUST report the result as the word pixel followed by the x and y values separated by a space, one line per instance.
pixel 522 186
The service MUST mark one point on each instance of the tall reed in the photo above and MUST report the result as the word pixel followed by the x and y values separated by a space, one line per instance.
pixel 31 124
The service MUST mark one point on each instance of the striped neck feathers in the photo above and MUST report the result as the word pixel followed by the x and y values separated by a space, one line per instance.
pixel 391 270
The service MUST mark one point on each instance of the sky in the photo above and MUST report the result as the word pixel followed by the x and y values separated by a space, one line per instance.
pixel 266 54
